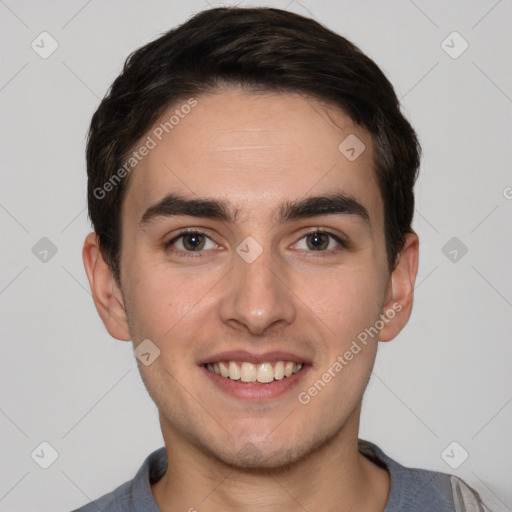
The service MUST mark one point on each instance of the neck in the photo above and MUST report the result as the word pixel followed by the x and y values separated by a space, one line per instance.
pixel 335 475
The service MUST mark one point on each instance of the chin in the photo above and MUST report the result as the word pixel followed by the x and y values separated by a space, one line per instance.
pixel 250 457
pixel 265 455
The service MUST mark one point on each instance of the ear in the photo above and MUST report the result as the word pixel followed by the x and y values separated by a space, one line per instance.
pixel 398 306
pixel 106 294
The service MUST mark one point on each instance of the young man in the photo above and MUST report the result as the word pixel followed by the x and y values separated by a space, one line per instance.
pixel 251 190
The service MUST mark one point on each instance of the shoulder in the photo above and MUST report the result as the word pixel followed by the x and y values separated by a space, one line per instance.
pixel 465 497
pixel 133 495
pixel 115 501
pixel 421 489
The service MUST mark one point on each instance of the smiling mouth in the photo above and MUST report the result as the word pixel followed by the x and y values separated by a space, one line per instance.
pixel 261 373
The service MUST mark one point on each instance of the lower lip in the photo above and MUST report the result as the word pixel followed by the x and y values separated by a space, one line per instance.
pixel 257 392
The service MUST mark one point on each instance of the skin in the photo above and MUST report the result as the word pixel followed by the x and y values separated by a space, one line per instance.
pixel 257 151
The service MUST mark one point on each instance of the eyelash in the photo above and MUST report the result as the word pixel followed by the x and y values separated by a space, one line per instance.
pixel 200 254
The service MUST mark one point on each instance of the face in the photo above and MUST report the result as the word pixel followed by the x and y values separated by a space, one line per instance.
pixel 267 262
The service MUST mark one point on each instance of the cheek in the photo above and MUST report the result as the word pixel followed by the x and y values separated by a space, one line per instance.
pixel 347 300
pixel 335 391
pixel 162 298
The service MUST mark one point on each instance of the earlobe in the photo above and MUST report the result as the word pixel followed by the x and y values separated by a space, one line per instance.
pixel 400 295
pixel 105 291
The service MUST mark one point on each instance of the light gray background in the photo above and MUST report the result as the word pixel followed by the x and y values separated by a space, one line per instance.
pixel 65 381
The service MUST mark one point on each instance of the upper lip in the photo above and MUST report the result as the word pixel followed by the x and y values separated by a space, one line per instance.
pixel 252 357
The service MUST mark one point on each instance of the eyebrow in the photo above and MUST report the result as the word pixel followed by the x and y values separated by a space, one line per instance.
pixel 176 205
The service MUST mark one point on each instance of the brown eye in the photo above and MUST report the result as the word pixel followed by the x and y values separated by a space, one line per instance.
pixel 193 241
pixel 190 242
pixel 321 242
pixel 317 241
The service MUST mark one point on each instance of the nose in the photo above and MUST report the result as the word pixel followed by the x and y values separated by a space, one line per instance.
pixel 258 296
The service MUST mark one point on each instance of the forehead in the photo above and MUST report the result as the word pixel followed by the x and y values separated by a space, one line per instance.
pixel 255 151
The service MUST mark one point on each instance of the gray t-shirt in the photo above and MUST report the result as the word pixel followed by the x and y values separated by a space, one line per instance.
pixel 417 490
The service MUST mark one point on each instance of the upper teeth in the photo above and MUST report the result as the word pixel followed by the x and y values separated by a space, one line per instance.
pixel 248 372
